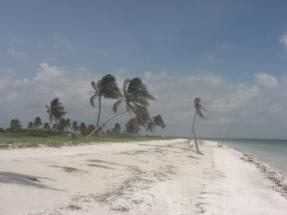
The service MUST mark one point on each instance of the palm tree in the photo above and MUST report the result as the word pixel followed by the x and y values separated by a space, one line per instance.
pixel 117 128
pixel 46 126
pixel 55 110
pixel 15 125
pixel 198 112
pixel 83 128
pixel 158 121
pixel 220 142
pixel 150 126
pixel 75 126
pixel 135 97
pixel 31 125
pixel 37 122
pixel 67 124
pixel 107 88
pixel 132 126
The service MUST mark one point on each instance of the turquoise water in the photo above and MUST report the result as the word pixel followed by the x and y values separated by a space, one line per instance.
pixel 273 152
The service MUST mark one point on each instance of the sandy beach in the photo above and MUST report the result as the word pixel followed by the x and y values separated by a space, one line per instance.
pixel 155 177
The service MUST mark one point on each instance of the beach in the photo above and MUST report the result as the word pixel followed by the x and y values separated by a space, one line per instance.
pixel 163 177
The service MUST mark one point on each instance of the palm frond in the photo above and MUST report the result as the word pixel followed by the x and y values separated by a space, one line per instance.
pixel 116 105
pixel 92 99
pixel 198 107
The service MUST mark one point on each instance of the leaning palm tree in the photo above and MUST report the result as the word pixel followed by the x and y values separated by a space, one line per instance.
pixel 220 142
pixel 135 97
pixel 198 112
pixel 107 88
pixel 55 110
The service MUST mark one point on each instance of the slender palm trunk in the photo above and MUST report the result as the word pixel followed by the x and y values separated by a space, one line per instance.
pixel 220 144
pixel 99 113
pixel 105 122
pixel 193 133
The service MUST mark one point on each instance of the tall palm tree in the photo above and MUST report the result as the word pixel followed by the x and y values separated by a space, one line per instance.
pixel 198 112
pixel 135 97
pixel 55 110
pixel 107 88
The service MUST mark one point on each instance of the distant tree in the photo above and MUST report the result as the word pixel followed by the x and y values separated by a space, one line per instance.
pixel 198 112
pixel 83 128
pixel 117 128
pixel 68 124
pixel 107 88
pixel 55 110
pixel 136 98
pixel 2 129
pixel 150 126
pixel 30 125
pixel 75 126
pixel 132 126
pixel 158 121
pixel 61 124
pixel 15 125
pixel 46 126
pixel 37 122
pixel 90 128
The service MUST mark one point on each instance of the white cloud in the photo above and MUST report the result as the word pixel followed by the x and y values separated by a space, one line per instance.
pixel 60 42
pixel 47 73
pixel 250 109
pixel 104 52
pixel 266 80
pixel 21 56
pixel 284 40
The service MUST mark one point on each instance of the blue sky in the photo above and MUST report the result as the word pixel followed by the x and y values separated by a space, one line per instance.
pixel 233 41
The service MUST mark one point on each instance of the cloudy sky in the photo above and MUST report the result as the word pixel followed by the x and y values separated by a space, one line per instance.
pixel 230 53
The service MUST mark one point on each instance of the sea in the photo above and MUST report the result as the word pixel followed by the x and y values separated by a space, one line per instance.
pixel 271 151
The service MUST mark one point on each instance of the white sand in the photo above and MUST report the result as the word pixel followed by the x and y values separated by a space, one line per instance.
pixel 154 177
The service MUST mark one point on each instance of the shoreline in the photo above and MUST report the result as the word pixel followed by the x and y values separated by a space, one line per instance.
pixel 151 177
pixel 276 176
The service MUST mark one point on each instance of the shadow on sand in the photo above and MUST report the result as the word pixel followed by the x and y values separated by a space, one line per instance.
pixel 23 180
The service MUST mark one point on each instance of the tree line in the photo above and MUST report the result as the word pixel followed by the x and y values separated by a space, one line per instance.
pixel 134 96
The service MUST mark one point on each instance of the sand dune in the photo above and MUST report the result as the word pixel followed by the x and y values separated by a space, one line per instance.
pixel 154 177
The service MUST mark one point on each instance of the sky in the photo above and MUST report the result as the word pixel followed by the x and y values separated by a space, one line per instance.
pixel 230 53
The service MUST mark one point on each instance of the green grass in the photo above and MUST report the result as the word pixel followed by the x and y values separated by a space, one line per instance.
pixel 58 141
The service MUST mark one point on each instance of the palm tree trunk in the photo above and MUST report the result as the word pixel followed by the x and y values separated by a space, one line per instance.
pixel 105 122
pixel 193 133
pixel 99 112
pixel 226 135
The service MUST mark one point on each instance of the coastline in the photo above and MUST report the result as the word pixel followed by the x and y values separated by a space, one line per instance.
pixel 152 177
pixel 275 175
